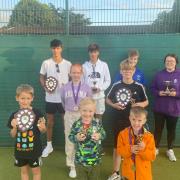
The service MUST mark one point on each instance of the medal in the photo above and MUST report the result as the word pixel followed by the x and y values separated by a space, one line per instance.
pixel 25 119
pixel 133 167
pixel 76 96
pixel 76 108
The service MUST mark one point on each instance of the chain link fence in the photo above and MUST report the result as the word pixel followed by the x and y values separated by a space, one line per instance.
pixel 78 17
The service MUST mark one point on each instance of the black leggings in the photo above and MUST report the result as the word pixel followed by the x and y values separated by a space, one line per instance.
pixel 170 125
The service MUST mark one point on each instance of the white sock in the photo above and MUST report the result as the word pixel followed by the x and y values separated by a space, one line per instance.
pixel 49 144
pixel 72 168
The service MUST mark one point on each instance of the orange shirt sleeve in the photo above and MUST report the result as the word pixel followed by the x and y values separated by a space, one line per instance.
pixel 123 147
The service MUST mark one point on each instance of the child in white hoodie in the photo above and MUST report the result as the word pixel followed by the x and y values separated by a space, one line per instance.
pixel 97 76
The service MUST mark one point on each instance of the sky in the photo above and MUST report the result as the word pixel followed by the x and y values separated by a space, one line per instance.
pixel 104 12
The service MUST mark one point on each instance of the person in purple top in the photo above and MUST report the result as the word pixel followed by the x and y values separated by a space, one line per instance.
pixel 71 94
pixel 138 76
pixel 166 91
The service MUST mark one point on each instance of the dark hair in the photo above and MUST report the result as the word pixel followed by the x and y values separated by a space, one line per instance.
pixel 55 43
pixel 171 55
pixel 93 47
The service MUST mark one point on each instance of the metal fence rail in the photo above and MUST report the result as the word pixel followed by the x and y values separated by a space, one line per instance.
pixel 89 16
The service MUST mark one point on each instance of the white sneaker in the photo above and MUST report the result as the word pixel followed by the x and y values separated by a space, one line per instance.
pixel 47 151
pixel 114 176
pixel 72 173
pixel 170 155
pixel 157 151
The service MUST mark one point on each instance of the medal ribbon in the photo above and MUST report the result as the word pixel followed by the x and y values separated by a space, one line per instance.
pixel 130 141
pixel 75 96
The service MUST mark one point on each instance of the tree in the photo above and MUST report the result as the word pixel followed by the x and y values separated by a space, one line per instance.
pixel 35 14
pixel 168 21
pixel 74 18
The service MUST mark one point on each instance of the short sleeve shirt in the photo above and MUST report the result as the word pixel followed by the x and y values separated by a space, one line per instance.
pixel 49 68
pixel 28 143
pixel 137 92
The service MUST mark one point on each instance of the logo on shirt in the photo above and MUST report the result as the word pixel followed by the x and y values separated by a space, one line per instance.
pixel 35 163
pixel 94 75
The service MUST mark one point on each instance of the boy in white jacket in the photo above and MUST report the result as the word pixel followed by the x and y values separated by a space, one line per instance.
pixel 97 76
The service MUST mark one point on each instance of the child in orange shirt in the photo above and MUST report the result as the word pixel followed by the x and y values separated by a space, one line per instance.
pixel 136 146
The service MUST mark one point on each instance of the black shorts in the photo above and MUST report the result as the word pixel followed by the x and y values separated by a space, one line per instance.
pixel 53 108
pixel 31 162
pixel 118 126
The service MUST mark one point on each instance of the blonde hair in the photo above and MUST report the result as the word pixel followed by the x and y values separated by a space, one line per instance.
pixel 133 52
pixel 125 65
pixel 76 65
pixel 24 88
pixel 87 101
pixel 138 111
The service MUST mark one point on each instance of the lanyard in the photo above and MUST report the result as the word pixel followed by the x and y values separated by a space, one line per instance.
pixel 130 140
pixel 75 96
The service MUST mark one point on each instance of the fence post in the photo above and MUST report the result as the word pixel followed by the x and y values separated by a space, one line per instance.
pixel 67 17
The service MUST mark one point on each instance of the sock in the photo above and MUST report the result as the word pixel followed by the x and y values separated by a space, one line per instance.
pixel 49 144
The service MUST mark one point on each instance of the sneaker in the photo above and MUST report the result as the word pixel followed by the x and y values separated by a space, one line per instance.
pixel 72 173
pixel 47 151
pixel 170 155
pixel 157 151
pixel 114 176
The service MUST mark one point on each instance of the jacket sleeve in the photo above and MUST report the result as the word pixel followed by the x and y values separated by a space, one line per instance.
pixel 89 91
pixel 117 77
pixel 123 148
pixel 107 78
pixel 154 88
pixel 178 86
pixel 102 132
pixel 149 152
pixel 73 133
pixel 62 93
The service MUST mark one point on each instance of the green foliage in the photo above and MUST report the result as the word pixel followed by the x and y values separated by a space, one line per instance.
pixel 169 21
pixel 31 13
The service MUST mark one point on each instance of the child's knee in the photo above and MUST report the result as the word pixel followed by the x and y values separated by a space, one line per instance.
pixel 25 170
pixel 36 171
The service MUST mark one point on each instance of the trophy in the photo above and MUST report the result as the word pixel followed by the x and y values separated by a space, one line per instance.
pixel 123 96
pixel 139 139
pixel 167 83
pixel 25 119
pixel 51 83
pixel 94 88
pixel 84 129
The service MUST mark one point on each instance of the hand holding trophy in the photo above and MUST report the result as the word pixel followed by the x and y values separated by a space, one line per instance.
pixel 51 84
pixel 123 97
pixel 81 136
pixel 95 89
pixel 168 90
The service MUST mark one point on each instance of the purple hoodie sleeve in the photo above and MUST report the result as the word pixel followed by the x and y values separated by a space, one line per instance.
pixel 89 93
pixel 62 92
pixel 178 93
pixel 154 87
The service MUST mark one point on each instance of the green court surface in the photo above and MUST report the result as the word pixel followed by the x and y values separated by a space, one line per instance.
pixel 54 166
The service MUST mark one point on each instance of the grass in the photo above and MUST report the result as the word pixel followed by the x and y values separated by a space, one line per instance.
pixel 54 166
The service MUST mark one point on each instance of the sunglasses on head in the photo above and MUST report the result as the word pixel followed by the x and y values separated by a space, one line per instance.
pixel 57 68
